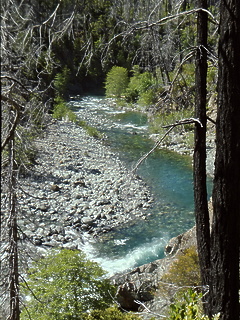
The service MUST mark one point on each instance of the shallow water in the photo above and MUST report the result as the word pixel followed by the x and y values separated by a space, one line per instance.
pixel 168 174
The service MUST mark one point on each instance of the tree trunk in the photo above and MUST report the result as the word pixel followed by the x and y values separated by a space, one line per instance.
pixel 200 185
pixel 225 237
pixel 14 310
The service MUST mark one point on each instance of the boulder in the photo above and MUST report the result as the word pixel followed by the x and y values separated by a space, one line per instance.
pixel 141 287
pixel 181 242
pixel 127 295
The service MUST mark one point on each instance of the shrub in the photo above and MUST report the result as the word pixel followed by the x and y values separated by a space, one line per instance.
pixel 147 98
pixel 62 111
pixel 185 270
pixel 61 81
pixel 116 82
pixel 112 313
pixel 140 87
pixel 65 285
pixel 188 307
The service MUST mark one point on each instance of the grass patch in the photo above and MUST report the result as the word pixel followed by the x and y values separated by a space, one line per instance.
pixel 183 135
pixel 62 111
pixel 163 119
pixel 93 132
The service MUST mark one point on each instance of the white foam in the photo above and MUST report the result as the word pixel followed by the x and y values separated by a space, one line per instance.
pixel 140 255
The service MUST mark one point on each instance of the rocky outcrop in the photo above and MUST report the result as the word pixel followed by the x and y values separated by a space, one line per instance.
pixel 143 289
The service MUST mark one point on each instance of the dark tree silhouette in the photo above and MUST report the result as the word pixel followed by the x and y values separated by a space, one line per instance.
pixel 200 186
pixel 225 237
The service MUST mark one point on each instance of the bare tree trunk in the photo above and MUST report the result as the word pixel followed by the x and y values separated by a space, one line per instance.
pixel 225 237
pixel 200 186
pixel 14 310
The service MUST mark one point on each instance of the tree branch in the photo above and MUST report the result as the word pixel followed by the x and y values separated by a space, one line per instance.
pixel 171 127
pixel 18 108
pixel 15 80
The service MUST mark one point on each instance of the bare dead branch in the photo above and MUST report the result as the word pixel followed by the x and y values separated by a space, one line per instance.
pixel 11 131
pixel 211 120
pixel 15 80
pixel 145 24
pixel 171 127
pixel 148 310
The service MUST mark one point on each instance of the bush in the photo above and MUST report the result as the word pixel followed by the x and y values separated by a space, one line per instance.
pixel 185 270
pixel 140 87
pixel 112 313
pixel 61 81
pixel 65 285
pixel 116 82
pixel 188 307
pixel 62 112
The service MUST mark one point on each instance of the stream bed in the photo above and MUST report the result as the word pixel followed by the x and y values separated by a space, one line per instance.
pixel 168 174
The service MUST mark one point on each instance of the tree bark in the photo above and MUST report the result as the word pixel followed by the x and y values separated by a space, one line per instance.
pixel 200 185
pixel 225 237
pixel 14 308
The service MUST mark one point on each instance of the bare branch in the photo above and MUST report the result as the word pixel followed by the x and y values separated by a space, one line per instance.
pixel 148 310
pixel 145 24
pixel 11 131
pixel 15 80
pixel 171 127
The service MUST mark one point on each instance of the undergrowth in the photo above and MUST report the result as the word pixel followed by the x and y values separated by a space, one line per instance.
pixel 185 270
pixel 62 111
pixel 159 120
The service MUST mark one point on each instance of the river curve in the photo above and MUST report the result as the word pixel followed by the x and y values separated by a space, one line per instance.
pixel 168 174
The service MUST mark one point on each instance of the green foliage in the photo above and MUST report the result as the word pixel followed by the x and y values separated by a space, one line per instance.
pixel 188 307
pixel 183 86
pixel 65 285
pixel 185 307
pixel 62 111
pixel 116 82
pixel 185 270
pixel 61 81
pixel 212 78
pixel 147 98
pixel 93 132
pixel 140 87
pixel 162 119
pixel 112 313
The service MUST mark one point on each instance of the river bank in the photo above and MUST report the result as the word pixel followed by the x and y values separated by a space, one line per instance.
pixel 79 187
pixel 181 141
pixel 79 192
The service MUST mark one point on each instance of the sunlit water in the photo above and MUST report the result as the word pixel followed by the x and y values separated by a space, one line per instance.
pixel 168 174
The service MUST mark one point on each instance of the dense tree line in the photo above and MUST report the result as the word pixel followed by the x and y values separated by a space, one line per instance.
pixel 46 42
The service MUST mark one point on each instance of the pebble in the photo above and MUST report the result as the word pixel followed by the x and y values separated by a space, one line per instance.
pixel 79 185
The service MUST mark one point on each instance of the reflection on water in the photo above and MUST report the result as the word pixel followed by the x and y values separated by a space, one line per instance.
pixel 168 174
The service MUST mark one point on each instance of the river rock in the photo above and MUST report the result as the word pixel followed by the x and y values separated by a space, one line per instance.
pixel 79 183
pixel 143 288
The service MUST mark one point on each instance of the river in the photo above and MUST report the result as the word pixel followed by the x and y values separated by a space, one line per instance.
pixel 168 174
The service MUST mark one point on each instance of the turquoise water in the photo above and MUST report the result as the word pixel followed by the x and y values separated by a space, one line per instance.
pixel 168 175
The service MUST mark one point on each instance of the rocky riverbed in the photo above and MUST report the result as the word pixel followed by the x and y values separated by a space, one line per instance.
pixel 79 188
pixel 78 191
